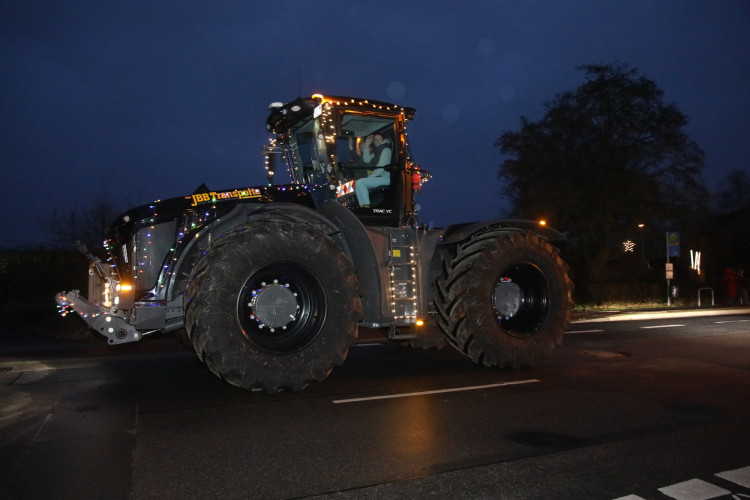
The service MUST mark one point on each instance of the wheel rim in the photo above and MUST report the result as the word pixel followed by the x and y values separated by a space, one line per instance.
pixel 281 308
pixel 520 300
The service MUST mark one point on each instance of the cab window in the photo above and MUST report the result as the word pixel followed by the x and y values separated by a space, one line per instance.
pixel 366 150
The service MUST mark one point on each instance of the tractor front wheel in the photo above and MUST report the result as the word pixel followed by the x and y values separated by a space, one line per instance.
pixel 273 305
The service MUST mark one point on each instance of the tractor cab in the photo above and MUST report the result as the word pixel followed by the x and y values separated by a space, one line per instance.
pixel 352 150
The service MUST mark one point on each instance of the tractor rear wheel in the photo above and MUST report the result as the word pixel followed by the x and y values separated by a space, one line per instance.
pixel 273 305
pixel 503 299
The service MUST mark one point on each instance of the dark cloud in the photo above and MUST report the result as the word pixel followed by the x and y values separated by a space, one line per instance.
pixel 144 100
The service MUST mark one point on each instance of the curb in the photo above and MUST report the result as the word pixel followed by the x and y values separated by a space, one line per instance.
pixel 661 313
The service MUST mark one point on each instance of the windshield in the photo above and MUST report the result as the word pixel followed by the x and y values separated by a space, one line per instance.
pixel 353 152
pixel 319 147
pixel 366 139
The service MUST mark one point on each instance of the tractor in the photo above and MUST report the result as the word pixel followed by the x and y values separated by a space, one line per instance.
pixel 270 285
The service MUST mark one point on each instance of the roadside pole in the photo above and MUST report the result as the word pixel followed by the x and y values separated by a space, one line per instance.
pixel 673 250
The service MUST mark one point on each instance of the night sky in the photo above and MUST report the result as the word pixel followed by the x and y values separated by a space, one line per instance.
pixel 141 100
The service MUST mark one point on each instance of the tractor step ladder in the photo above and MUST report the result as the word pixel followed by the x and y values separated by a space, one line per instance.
pixel 402 262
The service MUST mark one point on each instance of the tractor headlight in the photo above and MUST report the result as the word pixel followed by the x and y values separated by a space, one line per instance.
pixel 124 296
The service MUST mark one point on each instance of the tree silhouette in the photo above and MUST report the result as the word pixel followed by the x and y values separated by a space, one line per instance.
pixel 734 193
pixel 605 157
pixel 87 224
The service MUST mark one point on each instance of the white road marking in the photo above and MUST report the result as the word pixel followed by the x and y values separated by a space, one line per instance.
pixel 438 391
pixel 660 326
pixel 731 321
pixel 584 331
pixel 694 489
pixel 697 489
pixel 738 476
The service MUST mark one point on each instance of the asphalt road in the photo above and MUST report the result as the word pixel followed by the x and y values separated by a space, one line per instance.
pixel 647 407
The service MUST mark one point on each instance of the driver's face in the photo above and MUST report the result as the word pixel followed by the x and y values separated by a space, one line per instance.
pixel 377 139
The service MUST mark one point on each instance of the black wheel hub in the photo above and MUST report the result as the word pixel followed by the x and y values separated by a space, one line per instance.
pixel 274 306
pixel 507 297
pixel 520 299
pixel 282 308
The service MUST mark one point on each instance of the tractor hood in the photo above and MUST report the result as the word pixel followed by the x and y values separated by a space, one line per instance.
pixel 204 205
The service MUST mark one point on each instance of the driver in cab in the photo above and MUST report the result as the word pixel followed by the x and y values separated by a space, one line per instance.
pixel 376 152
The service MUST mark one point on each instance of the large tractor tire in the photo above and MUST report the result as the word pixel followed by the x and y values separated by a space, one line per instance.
pixel 504 298
pixel 273 305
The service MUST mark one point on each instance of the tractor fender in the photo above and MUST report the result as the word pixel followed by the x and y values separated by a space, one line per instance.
pixel 331 218
pixel 293 212
pixel 351 235
pixel 441 248
pixel 458 232
pixel 241 214
pixel 361 251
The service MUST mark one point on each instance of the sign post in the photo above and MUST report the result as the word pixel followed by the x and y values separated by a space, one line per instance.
pixel 673 250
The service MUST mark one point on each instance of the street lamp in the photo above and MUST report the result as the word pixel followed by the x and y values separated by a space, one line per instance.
pixel 642 226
